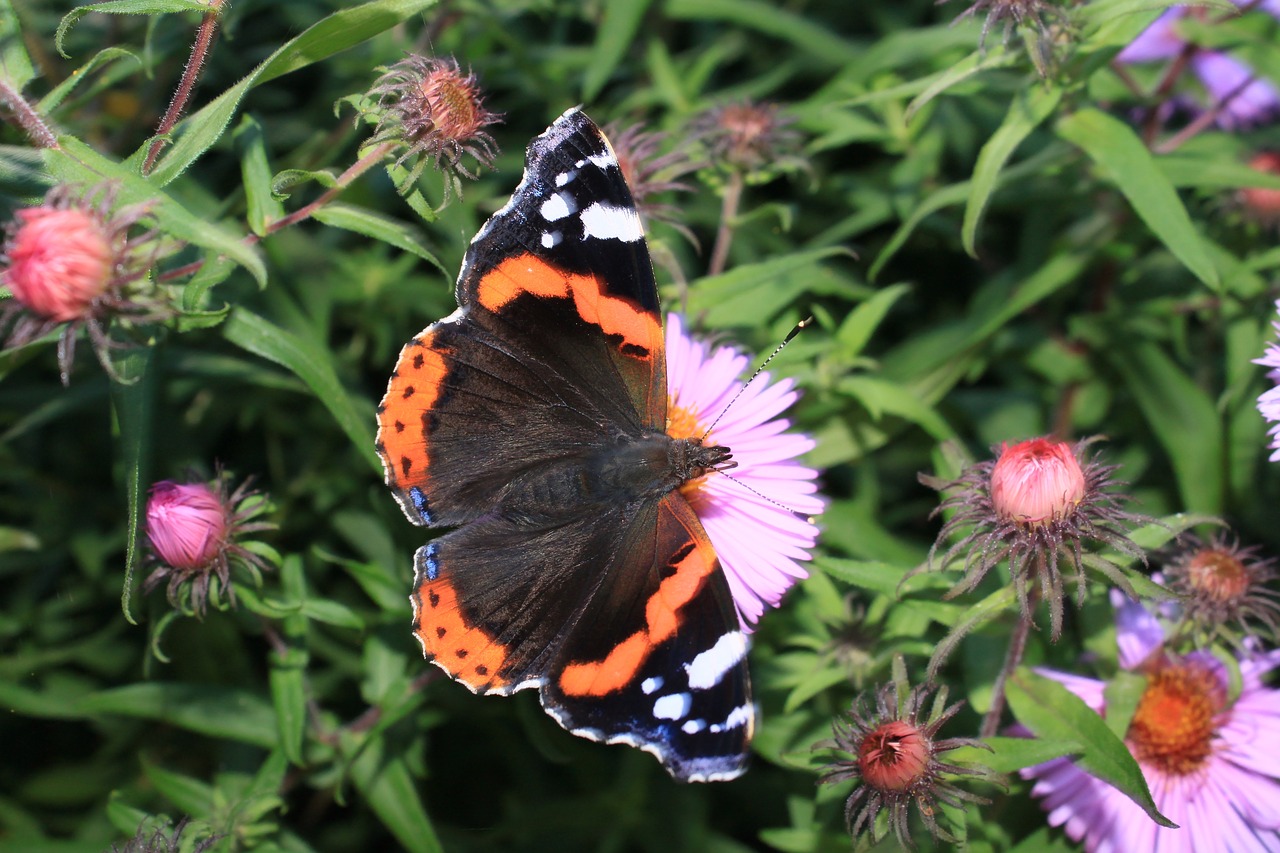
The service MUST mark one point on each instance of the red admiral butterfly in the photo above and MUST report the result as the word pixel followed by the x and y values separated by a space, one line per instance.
pixel 533 420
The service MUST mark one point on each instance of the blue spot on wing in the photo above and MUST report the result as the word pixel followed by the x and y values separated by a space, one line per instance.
pixel 420 503
pixel 433 564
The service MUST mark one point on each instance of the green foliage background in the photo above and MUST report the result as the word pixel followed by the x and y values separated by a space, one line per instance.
pixel 991 254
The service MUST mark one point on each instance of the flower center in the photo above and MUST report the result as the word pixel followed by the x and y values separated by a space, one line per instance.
pixel 1217 575
pixel 894 757
pixel 1174 726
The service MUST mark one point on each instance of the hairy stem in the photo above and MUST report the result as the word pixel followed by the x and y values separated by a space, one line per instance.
pixel 728 213
pixel 182 95
pixel 1012 658
pixel 25 116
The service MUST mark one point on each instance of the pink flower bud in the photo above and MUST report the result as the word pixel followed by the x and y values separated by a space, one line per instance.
pixel 59 261
pixel 1036 481
pixel 187 524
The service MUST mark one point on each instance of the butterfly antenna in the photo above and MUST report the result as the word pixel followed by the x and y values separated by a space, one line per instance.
pixel 762 496
pixel 803 324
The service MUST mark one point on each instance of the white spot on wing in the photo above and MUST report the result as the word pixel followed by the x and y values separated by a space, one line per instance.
pixel 651 684
pixel 565 177
pixel 604 161
pixel 558 207
pixel 673 706
pixel 693 727
pixel 743 715
pixel 551 239
pixel 611 223
pixel 710 666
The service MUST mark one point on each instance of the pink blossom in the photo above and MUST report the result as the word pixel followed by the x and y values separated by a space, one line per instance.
pixel 60 260
pixel 760 515
pixel 187 524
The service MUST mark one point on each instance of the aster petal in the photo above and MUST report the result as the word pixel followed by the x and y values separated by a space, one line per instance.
pixel 1138 632
pixel 1223 76
pixel 1255 798
pixel 1158 41
pixel 1088 689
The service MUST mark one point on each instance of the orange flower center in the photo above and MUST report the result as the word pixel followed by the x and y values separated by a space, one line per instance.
pixel 1218 575
pixel 1174 726
pixel 683 423
pixel 894 757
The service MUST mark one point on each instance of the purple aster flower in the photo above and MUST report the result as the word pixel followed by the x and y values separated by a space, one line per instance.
pixel 1241 97
pixel 760 516
pixel 1269 401
pixel 1208 759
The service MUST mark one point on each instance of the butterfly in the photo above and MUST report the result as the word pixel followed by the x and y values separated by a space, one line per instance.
pixel 532 421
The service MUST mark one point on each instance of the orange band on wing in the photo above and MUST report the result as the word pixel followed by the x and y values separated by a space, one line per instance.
pixel 413 390
pixel 620 666
pixel 616 315
pixel 467 653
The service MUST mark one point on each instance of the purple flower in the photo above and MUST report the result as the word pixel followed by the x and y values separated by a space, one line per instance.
pixel 1208 759
pixel 759 517
pixel 1241 96
pixel 1269 401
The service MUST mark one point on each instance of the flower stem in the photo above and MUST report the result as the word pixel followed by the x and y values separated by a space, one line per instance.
pixel 728 213
pixel 371 157
pixel 182 95
pixel 26 117
pixel 1012 658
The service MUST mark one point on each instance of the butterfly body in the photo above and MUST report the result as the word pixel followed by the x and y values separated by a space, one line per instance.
pixel 533 422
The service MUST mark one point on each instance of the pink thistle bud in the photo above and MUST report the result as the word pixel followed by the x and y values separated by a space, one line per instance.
pixel 894 757
pixel 59 261
pixel 197 533
pixel 1036 481
pixel 187 524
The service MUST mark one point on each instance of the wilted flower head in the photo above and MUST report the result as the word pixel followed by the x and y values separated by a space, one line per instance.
pixel 70 262
pixel 1238 96
pixel 1009 12
pixel 1269 400
pixel 753 138
pixel 1035 506
pixel 1222 583
pixel 428 105
pixel 1208 755
pixel 895 757
pixel 195 531
pixel 760 518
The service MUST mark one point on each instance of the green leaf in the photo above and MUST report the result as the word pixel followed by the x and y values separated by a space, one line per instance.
pixel 973 64
pixel 813 40
pixel 332 34
pixel 1026 111
pixel 1122 695
pixel 1014 753
pixel 16 70
pixel 370 223
pixel 103 58
pixel 1113 145
pixel 190 795
pixel 616 33
pixel 747 294
pixel 255 172
pixel 1056 714
pixel 884 578
pixel 856 329
pixel 133 401
pixel 289 698
pixel 220 712
pixel 390 791
pixel 312 364
pixel 1183 417
pixel 125 7
pixel 77 163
